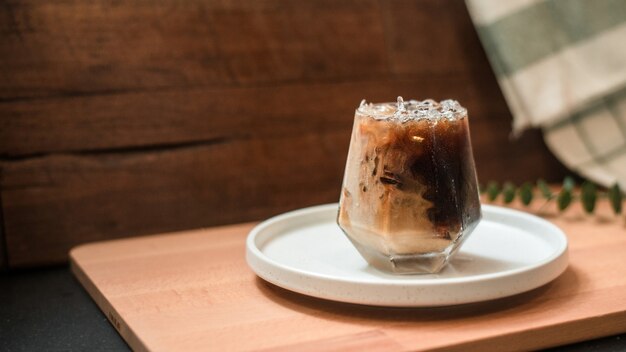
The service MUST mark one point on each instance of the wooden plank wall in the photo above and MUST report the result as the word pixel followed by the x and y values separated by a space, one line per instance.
pixel 123 118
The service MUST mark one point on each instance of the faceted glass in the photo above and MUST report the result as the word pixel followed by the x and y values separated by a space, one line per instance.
pixel 409 197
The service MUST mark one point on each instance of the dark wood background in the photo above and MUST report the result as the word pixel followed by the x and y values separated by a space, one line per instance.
pixel 124 118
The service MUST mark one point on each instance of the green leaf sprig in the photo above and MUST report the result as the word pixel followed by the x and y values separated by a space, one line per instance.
pixel 588 194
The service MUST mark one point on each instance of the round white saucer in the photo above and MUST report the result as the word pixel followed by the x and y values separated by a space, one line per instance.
pixel 305 251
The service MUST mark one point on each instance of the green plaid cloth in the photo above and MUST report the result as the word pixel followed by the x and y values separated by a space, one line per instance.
pixel 561 65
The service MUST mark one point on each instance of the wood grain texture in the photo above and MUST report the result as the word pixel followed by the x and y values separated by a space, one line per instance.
pixel 127 118
pixel 106 196
pixel 72 47
pixel 90 76
pixel 3 248
pixel 193 291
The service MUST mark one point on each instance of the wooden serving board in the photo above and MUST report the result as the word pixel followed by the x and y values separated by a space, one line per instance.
pixel 192 291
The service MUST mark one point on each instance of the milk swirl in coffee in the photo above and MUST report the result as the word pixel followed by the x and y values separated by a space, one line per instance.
pixel 409 195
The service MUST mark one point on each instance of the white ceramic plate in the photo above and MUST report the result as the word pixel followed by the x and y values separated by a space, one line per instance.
pixel 305 251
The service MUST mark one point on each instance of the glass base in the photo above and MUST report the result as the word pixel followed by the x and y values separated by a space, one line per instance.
pixel 423 263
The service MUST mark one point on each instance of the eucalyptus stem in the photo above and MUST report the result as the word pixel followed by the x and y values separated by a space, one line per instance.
pixel 588 194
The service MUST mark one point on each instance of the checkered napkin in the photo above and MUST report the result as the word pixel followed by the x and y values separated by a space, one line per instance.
pixel 561 65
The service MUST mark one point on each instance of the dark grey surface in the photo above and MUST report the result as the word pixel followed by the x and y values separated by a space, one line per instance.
pixel 48 310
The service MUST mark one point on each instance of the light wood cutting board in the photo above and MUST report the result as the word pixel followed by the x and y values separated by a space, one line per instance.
pixel 192 291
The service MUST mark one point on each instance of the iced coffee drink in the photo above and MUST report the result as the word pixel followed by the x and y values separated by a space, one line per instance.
pixel 409 196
